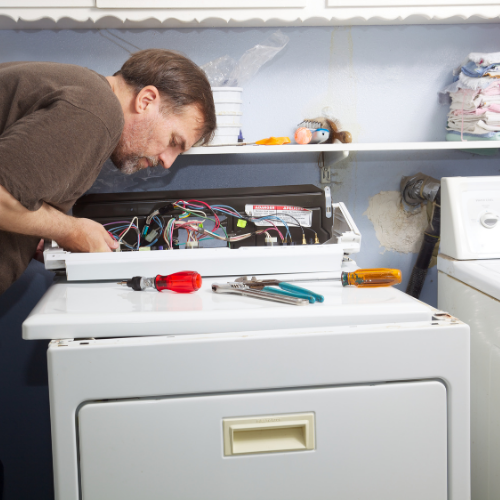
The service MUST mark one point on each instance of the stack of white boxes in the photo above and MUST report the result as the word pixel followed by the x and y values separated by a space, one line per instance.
pixel 228 108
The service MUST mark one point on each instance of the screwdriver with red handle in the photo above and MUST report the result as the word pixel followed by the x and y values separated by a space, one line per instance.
pixel 181 282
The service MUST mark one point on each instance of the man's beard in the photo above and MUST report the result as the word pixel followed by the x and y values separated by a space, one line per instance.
pixel 125 156
pixel 129 163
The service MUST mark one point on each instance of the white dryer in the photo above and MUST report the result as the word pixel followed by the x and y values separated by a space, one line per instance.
pixel 206 396
pixel 163 396
pixel 469 288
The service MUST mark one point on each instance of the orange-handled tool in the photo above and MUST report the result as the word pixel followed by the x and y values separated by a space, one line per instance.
pixel 181 282
pixel 368 278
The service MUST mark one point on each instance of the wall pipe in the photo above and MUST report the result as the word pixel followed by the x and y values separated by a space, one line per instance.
pixel 415 190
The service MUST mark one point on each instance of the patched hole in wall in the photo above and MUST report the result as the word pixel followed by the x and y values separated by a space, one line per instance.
pixel 396 229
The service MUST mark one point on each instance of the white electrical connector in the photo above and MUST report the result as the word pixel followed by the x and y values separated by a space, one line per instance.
pixel 151 236
pixel 192 244
pixel 271 240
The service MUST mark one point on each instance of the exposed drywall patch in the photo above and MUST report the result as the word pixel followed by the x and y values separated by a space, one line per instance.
pixel 395 229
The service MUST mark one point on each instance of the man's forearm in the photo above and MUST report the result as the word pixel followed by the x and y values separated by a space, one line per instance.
pixel 76 235
pixel 46 222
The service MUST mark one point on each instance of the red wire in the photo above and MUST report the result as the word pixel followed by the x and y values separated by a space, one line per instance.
pixel 210 208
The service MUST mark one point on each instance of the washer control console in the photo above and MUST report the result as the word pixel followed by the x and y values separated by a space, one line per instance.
pixel 470 217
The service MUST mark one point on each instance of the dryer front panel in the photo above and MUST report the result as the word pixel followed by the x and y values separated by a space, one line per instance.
pixel 357 442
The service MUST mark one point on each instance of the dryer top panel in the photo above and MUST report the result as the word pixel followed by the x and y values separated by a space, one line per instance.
pixel 83 310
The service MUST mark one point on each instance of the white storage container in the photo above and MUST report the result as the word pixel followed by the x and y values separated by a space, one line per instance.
pixel 229 119
pixel 228 109
pixel 226 134
pixel 227 94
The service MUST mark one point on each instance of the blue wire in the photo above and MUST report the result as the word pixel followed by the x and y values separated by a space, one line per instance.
pixel 158 221
pixel 266 217
pixel 275 217
pixel 119 228
pixel 215 207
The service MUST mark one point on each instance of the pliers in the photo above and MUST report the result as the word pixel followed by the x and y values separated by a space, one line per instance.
pixel 284 288
pixel 242 289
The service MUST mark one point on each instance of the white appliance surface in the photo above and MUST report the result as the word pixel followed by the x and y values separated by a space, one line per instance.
pixel 141 382
pixel 484 275
pixel 470 217
pixel 206 261
pixel 378 393
pixel 481 312
pixel 469 289
pixel 381 441
pixel 82 310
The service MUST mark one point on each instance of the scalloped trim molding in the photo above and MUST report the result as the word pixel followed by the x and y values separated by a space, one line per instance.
pixel 315 14
pixel 93 18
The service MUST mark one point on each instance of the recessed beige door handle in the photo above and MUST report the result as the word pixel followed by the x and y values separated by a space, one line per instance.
pixel 267 434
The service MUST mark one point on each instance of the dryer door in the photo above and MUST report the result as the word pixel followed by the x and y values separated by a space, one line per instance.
pixel 383 441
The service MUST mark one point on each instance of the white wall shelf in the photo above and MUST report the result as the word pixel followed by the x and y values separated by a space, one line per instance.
pixel 340 148
pixel 81 14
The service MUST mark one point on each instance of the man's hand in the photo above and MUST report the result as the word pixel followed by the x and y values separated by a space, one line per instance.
pixel 87 236
pixel 77 235
pixel 39 252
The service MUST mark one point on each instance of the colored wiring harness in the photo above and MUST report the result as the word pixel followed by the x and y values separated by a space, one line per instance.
pixel 194 213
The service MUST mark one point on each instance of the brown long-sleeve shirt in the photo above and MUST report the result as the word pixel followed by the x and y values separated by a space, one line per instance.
pixel 58 125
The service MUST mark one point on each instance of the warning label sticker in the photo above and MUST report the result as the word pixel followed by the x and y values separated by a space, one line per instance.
pixel 293 216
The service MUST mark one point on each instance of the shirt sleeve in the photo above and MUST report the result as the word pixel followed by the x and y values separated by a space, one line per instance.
pixel 52 155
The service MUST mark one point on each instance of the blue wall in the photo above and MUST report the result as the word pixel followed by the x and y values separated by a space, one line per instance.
pixel 382 83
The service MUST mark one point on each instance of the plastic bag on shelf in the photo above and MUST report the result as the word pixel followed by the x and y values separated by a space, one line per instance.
pixel 219 70
pixel 226 72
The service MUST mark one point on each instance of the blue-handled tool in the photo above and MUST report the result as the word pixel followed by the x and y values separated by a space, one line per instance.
pixel 298 295
pixel 297 289
pixel 285 288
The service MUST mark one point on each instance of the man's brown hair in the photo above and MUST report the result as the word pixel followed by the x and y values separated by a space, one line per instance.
pixel 178 79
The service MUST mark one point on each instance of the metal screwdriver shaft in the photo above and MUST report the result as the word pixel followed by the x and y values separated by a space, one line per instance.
pixel 362 278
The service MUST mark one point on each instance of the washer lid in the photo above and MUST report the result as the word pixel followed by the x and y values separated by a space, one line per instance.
pixel 96 310
pixel 481 274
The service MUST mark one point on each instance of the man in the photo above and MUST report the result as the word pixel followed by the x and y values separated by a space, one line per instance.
pixel 58 125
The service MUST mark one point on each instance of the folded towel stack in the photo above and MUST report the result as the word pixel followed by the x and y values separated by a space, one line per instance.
pixel 475 99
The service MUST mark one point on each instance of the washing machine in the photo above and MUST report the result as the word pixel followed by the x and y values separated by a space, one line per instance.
pixel 207 396
pixel 469 288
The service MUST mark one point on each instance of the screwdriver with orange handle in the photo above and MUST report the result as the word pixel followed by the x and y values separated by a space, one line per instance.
pixel 181 282
pixel 362 278
pixel 371 278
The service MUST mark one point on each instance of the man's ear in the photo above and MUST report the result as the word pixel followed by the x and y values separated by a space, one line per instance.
pixel 147 99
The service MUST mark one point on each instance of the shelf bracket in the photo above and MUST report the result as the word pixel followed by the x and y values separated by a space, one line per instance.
pixel 328 202
pixel 326 160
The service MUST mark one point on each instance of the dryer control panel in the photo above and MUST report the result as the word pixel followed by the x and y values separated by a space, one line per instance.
pixel 470 217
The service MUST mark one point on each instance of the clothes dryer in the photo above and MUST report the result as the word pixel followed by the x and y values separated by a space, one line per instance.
pixel 224 397
pixel 162 396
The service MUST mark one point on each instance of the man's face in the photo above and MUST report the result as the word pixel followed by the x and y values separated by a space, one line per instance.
pixel 155 139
